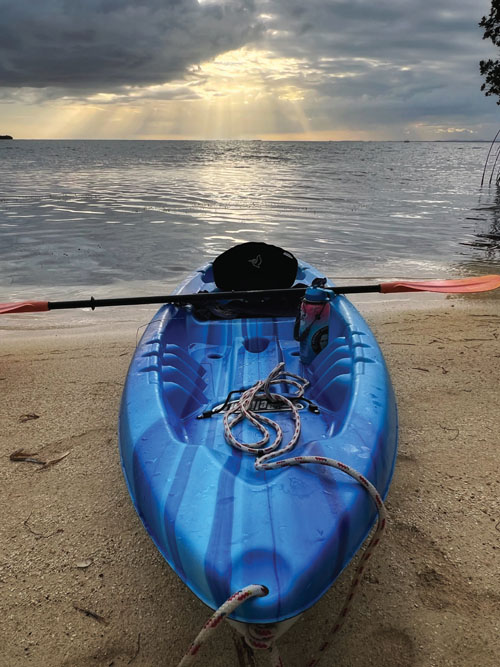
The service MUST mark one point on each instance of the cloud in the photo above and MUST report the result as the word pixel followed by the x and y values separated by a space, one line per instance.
pixel 383 62
pixel 362 35
pixel 325 65
pixel 401 29
pixel 103 44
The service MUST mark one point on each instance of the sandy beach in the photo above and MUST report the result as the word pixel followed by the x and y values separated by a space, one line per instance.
pixel 82 584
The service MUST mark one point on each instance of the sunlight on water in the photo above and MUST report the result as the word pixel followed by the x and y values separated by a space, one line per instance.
pixel 114 215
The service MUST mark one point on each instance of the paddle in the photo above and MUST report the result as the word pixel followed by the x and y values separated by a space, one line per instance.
pixel 464 285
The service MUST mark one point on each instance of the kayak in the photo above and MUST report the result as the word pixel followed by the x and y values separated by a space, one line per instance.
pixel 219 523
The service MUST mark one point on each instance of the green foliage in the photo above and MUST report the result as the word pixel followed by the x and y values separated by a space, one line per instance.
pixel 490 69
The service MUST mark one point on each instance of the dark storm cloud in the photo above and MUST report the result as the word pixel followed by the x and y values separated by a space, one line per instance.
pixel 101 44
pixel 367 28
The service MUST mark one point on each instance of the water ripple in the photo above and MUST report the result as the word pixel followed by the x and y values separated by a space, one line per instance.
pixel 87 213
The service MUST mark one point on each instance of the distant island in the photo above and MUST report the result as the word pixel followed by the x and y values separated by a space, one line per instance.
pixel 5 136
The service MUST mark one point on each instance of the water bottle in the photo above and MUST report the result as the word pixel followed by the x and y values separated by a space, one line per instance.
pixel 312 329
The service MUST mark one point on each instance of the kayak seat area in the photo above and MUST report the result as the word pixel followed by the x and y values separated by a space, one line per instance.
pixel 210 359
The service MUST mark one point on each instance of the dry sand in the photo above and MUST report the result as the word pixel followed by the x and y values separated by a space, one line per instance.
pixel 71 541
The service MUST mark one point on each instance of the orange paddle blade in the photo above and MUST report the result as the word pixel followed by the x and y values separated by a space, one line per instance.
pixel 463 285
pixel 24 307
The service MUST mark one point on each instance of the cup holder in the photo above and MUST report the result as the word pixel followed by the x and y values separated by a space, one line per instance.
pixel 255 344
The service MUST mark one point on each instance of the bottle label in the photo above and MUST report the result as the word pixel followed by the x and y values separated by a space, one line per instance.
pixel 319 340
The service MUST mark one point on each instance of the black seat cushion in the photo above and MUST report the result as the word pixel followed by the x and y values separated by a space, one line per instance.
pixel 253 265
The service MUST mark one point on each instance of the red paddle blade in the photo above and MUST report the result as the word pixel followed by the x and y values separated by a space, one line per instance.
pixel 24 307
pixel 463 285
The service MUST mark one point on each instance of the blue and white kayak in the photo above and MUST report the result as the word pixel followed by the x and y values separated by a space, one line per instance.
pixel 219 523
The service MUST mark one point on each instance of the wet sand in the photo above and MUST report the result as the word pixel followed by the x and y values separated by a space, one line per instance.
pixel 82 584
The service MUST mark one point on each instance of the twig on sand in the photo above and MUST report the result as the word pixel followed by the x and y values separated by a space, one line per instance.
pixel 51 462
pixel 91 614
pixel 25 457
pixel 28 417
pixel 447 428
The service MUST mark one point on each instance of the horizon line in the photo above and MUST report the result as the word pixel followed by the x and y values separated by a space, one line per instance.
pixel 258 140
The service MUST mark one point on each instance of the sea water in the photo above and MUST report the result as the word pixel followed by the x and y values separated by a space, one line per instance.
pixel 133 217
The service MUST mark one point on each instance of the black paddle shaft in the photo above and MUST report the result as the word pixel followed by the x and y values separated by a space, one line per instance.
pixel 203 297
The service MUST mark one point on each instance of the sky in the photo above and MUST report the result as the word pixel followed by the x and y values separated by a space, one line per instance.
pixel 245 69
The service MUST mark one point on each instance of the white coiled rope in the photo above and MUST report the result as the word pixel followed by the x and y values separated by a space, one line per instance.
pixel 242 410
pixel 260 636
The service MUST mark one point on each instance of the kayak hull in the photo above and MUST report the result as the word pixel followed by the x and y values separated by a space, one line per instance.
pixel 220 524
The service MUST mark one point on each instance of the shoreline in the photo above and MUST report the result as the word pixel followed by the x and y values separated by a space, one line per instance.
pixel 103 321
pixel 71 542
